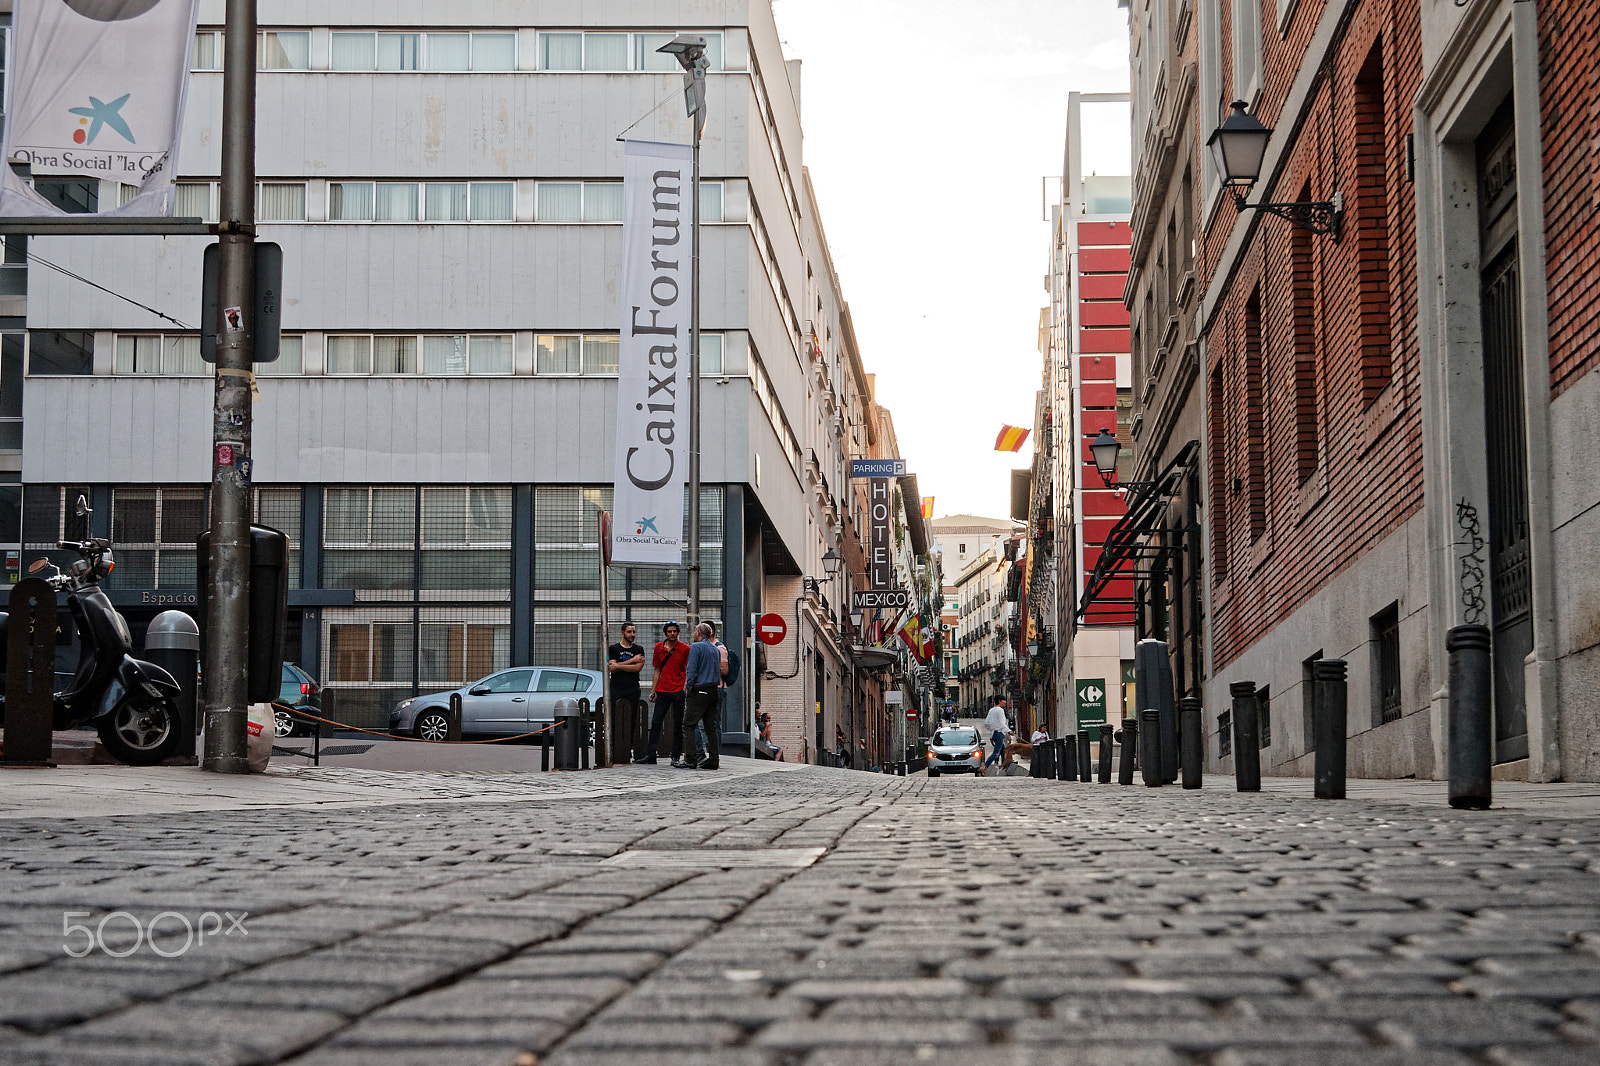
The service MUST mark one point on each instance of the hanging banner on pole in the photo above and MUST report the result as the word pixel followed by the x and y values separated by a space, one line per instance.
pixel 653 359
pixel 97 92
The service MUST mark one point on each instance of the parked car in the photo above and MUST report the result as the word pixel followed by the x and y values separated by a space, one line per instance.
pixel 300 691
pixel 955 750
pixel 505 703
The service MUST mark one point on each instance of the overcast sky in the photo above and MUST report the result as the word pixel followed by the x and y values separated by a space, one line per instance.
pixel 929 126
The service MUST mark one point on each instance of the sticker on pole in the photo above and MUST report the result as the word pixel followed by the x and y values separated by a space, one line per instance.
pixel 233 318
pixel 771 629
pixel 224 455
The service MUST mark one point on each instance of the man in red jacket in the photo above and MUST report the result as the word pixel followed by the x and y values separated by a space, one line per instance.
pixel 671 657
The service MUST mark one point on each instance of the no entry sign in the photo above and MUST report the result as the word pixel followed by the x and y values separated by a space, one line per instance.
pixel 771 629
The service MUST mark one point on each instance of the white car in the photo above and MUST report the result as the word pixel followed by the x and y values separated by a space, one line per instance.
pixel 955 750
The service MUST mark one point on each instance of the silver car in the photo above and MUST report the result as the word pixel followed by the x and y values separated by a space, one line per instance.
pixel 955 750
pixel 505 703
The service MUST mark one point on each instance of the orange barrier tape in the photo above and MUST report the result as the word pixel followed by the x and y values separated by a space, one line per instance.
pixel 415 740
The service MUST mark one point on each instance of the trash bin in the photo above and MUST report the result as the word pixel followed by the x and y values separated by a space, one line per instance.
pixel 570 734
pixel 173 643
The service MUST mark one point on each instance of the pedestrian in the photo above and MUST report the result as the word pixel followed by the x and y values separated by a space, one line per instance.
pixel 998 726
pixel 703 678
pixel 624 661
pixel 764 736
pixel 670 658
pixel 1040 735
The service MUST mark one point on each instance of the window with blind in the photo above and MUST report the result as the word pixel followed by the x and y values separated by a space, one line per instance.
pixel 597 353
pixel 369 538
pixel 466 539
pixel 440 354
pixel 566 548
pixel 601 201
pixel 154 531
pixel 577 51
pixel 409 201
pixel 423 51
pixel 156 353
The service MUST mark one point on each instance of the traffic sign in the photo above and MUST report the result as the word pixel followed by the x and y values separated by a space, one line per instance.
pixel 912 714
pixel 890 600
pixel 771 629
pixel 877 468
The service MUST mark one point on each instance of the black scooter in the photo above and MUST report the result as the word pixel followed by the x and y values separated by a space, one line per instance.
pixel 133 704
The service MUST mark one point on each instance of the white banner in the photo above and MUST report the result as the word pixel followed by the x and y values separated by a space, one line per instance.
pixel 653 363
pixel 97 92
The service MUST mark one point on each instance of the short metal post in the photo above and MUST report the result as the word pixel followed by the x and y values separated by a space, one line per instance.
pixel 1471 717
pixel 902 769
pixel 453 733
pixel 1085 764
pixel 602 753
pixel 1129 748
pixel 1246 737
pixel 1329 725
pixel 583 733
pixel 1150 747
pixel 1061 760
pixel 1191 740
pixel 316 743
pixel 544 749
pixel 1105 754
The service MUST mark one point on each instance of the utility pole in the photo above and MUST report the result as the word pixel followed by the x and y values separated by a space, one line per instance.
pixel 228 594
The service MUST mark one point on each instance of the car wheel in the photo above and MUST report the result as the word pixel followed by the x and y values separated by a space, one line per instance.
pixel 283 723
pixel 433 725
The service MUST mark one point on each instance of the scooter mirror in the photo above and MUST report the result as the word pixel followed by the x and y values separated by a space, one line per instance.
pixel 38 565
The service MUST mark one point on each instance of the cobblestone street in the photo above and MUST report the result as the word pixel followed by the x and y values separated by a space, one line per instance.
pixel 952 921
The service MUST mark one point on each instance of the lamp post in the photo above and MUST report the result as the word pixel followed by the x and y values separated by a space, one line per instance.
pixel 1239 147
pixel 1105 449
pixel 689 49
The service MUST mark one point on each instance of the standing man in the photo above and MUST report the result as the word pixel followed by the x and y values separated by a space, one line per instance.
pixel 704 677
pixel 671 656
pixel 624 661
pixel 998 726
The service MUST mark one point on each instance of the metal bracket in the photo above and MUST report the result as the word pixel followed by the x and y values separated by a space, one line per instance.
pixel 1318 216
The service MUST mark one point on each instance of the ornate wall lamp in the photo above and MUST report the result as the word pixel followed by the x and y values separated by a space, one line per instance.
pixel 1239 146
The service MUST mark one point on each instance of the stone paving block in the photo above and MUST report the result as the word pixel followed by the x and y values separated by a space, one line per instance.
pixel 348 998
pixel 1340 1057
pixel 55 1051
pixel 35 1005
pixel 669 1036
pixel 418 1055
pixel 530 1034
pixel 805 1035
pixel 710 1056
pixel 263 1032
pixel 828 991
pixel 629 965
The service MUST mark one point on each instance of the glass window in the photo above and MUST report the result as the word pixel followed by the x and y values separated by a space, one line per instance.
pixel 489 515
pixel 291 358
pixel 284 50
pixel 444 519
pixel 207 51
pixel 647 57
pixel 605 51
pixel 494 51
pixel 181 355
pixel 54 352
pixel 281 202
pixel 493 201
pixel 350 355
pixel 391 651
pixel 395 202
pixel 349 653
pixel 600 354
pixel 138 355
pixel 449 51
pixel 602 201
pixel 558 355
pixel 560 51
pixel 73 197
pixel 194 200
pixel 491 354
pixel 510 681
pixel 350 201
pixel 562 681
pixel 446 201
pixel 444 355
pixel 711 201
pixel 399 51
pixel 711 361
pixel 353 51
pixel 560 201
pixel 394 355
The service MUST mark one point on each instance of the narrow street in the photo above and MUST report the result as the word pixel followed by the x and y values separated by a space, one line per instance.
pixel 635 916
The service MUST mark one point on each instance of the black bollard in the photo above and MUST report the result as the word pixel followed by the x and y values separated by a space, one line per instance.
pixel 1058 759
pixel 1192 740
pixel 1329 722
pixel 1105 754
pixel 1130 747
pixel 1085 764
pixel 1150 747
pixel 544 749
pixel 1246 737
pixel 1169 718
pixel 1471 717
pixel 453 733
pixel 1068 771
pixel 172 642
pixel 30 674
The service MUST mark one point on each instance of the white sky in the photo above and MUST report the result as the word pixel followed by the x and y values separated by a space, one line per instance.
pixel 929 126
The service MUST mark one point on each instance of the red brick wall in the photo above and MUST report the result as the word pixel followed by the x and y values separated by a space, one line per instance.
pixel 1341 359
pixel 1569 44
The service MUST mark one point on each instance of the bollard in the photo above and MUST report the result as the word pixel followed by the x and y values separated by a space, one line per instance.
pixel 1069 757
pixel 583 733
pixel 1125 755
pixel 602 754
pixel 1085 765
pixel 1329 724
pixel 569 737
pixel 901 769
pixel 1191 740
pixel 173 643
pixel 1471 717
pixel 1153 691
pixel 1105 754
pixel 1150 747
pixel 453 733
pixel 1246 737
pixel 30 634
pixel 1047 760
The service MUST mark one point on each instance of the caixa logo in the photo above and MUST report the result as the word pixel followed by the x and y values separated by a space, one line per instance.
pixel 167 926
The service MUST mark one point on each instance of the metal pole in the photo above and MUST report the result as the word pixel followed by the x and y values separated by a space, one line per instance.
pixel 607 720
pixel 1329 725
pixel 1246 737
pixel 1471 724
pixel 1192 740
pixel 697 121
pixel 749 686
pixel 1125 753
pixel 228 597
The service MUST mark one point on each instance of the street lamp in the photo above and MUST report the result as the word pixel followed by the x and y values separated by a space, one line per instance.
pixel 1105 449
pixel 1239 148
pixel 831 561
pixel 689 49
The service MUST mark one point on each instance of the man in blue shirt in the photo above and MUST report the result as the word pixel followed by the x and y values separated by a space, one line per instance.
pixel 703 679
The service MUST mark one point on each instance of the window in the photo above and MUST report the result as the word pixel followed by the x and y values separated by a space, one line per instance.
pixel 349 355
pixel 454 653
pixel 157 354
pixel 279 508
pixel 1387 704
pixel 1308 700
pixel 291 358
pixel 207 53
pixel 350 201
pixel 11 374
pixel 1246 49
pixel 1302 299
pixel 281 201
pixel 1225 734
pixel 194 201
pixel 284 50
pixel 1372 225
pixel 493 201
pixel 601 201
pixel 617 52
pixel 1264 715
pixel 73 197
pixel 1256 445
pixel 466 539
pixel 562 681
pixel 394 202
pixel 441 354
pixel 445 201
pixel 592 354
pixel 424 51
pixel 1219 439
pixel 369 538
pixel 52 352
pixel 155 530
pixel 1210 102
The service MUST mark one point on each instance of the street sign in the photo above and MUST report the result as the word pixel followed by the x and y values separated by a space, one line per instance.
pixel 892 600
pixel 268 310
pixel 880 559
pixel 771 629
pixel 911 714
pixel 1091 701
pixel 877 468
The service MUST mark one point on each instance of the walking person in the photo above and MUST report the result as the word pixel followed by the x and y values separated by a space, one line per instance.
pixel 671 657
pixel 703 678
pixel 625 661
pixel 998 726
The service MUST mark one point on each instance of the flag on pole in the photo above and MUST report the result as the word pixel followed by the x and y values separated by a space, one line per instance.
pixel 927 507
pixel 914 638
pixel 1011 439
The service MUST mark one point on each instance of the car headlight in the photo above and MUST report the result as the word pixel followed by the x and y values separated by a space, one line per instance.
pixel 404 704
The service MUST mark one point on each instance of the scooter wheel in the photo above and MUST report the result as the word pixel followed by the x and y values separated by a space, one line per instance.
pixel 141 736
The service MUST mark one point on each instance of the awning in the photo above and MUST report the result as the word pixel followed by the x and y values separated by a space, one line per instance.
pixel 1139 545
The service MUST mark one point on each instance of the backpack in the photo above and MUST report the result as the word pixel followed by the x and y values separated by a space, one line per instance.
pixel 733 667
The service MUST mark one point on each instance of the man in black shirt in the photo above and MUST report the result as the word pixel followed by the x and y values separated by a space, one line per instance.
pixel 624 660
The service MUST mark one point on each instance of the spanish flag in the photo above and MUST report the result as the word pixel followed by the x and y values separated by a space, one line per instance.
pixel 911 634
pixel 1011 439
pixel 927 507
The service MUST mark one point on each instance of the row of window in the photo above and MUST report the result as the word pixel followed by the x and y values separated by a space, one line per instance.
pixel 58 353
pixel 455 51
